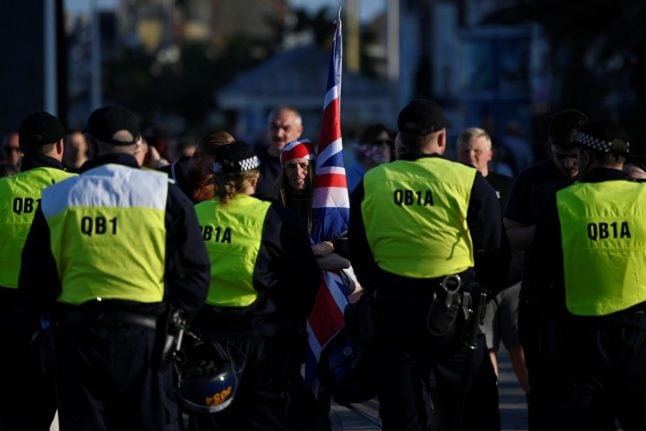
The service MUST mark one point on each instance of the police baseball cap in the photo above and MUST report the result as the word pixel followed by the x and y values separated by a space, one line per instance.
pixel 38 129
pixel 105 123
pixel 234 158
pixel 422 117
pixel 604 137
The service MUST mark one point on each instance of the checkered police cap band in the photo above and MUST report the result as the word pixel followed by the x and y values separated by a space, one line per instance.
pixel 592 142
pixel 237 166
pixel 234 158
pixel 616 145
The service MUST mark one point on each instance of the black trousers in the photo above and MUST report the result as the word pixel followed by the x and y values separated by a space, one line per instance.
pixel 27 395
pixel 541 342
pixel 106 380
pixel 542 336
pixel 605 363
pixel 429 382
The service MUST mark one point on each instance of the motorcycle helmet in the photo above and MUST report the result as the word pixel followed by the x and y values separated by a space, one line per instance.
pixel 347 370
pixel 207 379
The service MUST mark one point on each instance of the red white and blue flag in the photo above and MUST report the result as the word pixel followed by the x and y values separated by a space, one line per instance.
pixel 331 205
pixel 330 215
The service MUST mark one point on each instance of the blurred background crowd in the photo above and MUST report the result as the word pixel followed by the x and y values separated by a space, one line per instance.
pixel 188 67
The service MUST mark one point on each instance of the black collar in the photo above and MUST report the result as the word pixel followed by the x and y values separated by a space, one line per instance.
pixel 604 174
pixel 114 158
pixel 31 161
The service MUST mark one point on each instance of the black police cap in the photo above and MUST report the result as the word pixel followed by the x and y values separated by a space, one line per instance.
pixel 40 128
pixel 104 123
pixel 422 117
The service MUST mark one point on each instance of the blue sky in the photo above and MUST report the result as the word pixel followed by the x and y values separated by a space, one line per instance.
pixel 369 8
pixel 77 6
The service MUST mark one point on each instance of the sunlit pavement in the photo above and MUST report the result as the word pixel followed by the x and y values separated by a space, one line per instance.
pixel 513 406
pixel 365 416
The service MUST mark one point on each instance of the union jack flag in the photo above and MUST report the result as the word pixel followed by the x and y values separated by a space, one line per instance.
pixel 331 205
pixel 330 214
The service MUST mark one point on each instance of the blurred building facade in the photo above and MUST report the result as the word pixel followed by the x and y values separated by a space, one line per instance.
pixel 490 76
pixel 155 24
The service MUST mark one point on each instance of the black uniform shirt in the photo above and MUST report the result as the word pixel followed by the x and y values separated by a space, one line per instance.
pixel 502 185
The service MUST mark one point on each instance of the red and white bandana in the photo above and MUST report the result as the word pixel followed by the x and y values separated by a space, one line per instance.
pixel 299 149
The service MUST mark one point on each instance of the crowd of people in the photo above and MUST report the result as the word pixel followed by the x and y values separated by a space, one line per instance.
pixel 110 257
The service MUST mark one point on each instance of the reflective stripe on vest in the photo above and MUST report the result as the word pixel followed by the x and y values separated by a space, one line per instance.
pixel 415 216
pixel 19 198
pixel 108 234
pixel 232 233
pixel 603 236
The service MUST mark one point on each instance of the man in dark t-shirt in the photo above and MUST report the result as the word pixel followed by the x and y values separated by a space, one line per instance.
pixel 539 310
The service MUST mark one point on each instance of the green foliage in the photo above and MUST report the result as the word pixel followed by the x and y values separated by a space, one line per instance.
pixel 183 82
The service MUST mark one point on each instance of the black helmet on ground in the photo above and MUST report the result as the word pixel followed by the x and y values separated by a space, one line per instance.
pixel 348 370
pixel 207 379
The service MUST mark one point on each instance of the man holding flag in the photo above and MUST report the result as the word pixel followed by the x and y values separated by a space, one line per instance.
pixel 426 234
pixel 314 184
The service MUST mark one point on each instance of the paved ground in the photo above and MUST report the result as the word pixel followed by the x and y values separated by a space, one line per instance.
pixel 513 407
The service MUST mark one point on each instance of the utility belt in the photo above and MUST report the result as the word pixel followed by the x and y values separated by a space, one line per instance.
pixel 455 302
pixel 451 299
pixel 92 314
pixel 169 325
pixel 213 321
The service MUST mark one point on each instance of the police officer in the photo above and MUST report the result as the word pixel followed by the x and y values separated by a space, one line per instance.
pixel 263 281
pixel 596 233
pixel 501 320
pixel 41 142
pixel 108 253
pixel 424 232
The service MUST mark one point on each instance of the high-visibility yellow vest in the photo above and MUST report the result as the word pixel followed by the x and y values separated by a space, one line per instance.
pixel 19 198
pixel 108 234
pixel 415 216
pixel 232 233
pixel 603 237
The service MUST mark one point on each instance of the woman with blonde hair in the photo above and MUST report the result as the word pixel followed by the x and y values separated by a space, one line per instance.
pixel 263 283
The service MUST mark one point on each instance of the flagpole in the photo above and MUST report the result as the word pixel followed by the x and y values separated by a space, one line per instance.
pixel 330 213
